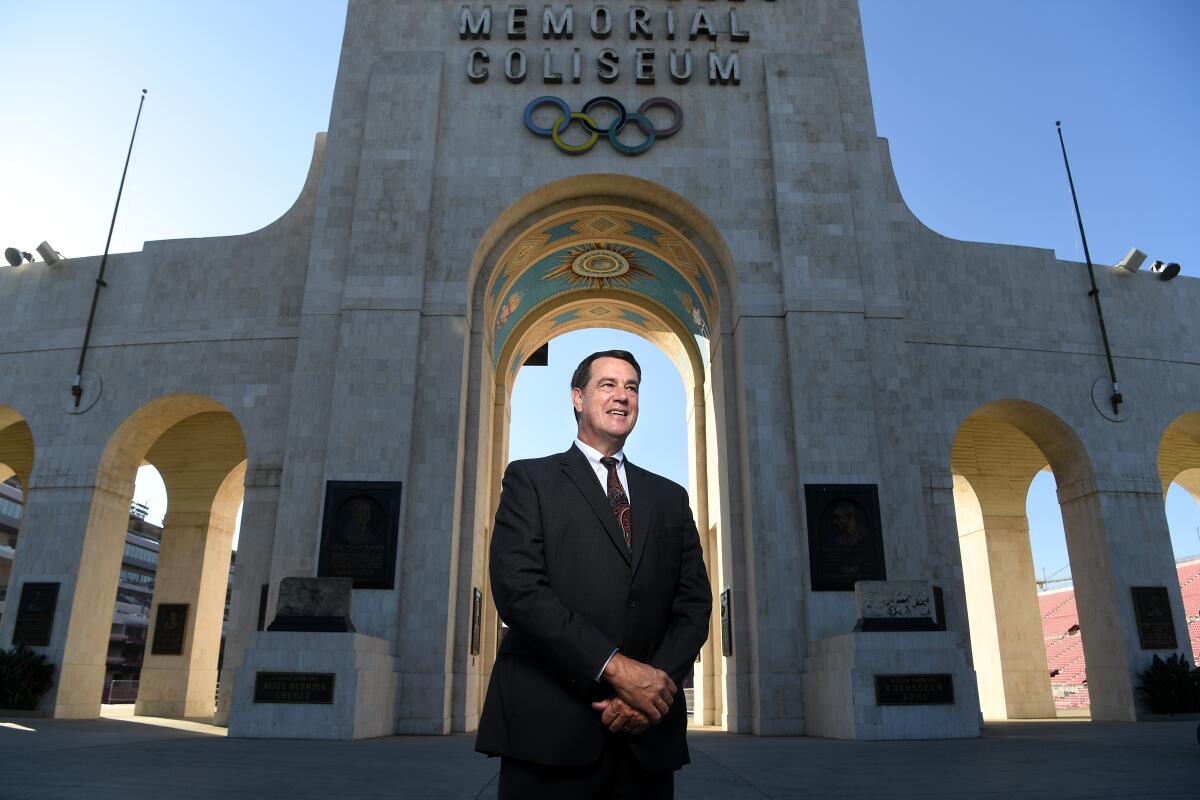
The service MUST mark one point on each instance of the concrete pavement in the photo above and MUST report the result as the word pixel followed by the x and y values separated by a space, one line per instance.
pixel 129 759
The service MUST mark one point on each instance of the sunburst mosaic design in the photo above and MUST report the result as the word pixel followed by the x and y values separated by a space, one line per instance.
pixel 597 249
pixel 600 266
pixel 571 272
pixel 600 225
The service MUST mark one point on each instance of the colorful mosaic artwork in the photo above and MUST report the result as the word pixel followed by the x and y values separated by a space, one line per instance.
pixel 598 249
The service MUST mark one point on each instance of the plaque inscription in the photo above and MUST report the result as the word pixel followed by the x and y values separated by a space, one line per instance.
pixel 726 624
pixel 914 690
pixel 358 533
pixel 35 614
pixel 294 687
pixel 1156 627
pixel 476 618
pixel 845 539
pixel 170 629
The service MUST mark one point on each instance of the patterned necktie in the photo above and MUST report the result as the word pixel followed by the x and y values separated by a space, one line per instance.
pixel 619 501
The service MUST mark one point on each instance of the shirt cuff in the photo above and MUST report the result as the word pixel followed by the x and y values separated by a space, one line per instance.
pixel 604 666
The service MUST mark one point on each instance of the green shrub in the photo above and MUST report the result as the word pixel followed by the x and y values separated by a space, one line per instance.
pixel 24 677
pixel 1171 686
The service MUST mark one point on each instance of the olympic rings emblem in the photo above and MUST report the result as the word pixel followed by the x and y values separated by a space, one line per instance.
pixel 614 129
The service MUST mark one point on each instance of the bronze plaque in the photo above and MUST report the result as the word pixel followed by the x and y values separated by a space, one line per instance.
pixel 358 533
pixel 294 687
pixel 845 539
pixel 170 629
pixel 914 690
pixel 476 619
pixel 726 623
pixel 1156 627
pixel 35 614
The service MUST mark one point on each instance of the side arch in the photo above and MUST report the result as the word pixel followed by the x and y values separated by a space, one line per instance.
pixel 16 446
pixel 198 447
pixel 997 451
pixel 16 461
pixel 1179 454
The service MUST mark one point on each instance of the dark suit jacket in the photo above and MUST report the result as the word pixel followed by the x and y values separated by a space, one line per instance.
pixel 570 593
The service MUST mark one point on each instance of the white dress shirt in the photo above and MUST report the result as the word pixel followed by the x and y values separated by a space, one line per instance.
pixel 593 456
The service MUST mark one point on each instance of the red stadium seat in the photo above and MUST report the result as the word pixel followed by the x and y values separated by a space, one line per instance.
pixel 1064 646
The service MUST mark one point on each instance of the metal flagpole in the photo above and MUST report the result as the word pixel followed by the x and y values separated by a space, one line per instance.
pixel 1095 292
pixel 77 386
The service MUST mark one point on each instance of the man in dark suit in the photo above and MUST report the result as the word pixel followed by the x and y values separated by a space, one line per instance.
pixel 597 570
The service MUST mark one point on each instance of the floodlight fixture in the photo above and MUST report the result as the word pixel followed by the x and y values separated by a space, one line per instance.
pixel 1165 272
pixel 1133 260
pixel 13 256
pixel 49 254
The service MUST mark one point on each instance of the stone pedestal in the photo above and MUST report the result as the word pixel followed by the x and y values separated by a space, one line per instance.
pixel 364 687
pixel 840 693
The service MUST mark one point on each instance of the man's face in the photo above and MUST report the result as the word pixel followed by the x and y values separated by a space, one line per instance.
pixel 844 518
pixel 608 405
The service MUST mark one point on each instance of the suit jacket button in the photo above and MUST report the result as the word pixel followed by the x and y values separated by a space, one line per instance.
pixel 631 603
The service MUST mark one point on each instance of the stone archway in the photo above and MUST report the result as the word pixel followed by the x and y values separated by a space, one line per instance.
pixel 202 460
pixel 998 450
pixel 1179 454
pixel 16 462
pixel 198 447
pixel 1179 463
pixel 16 446
pixel 588 261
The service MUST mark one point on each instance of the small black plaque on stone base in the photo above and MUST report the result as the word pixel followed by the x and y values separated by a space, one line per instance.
pixel 35 614
pixel 358 533
pixel 170 629
pixel 294 687
pixel 914 690
pixel 726 624
pixel 476 619
pixel 845 538
pixel 1156 627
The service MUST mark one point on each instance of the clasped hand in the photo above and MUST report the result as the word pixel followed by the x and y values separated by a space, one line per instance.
pixel 643 696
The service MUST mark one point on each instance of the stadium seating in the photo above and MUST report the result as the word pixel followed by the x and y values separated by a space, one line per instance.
pixel 1064 644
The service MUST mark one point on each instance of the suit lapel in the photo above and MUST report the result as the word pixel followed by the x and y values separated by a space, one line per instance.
pixel 579 471
pixel 641 508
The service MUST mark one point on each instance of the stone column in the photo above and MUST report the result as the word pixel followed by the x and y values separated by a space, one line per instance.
pixel 1006 632
pixel 427 602
pixel 712 668
pixel 1109 681
pixel 769 623
pixel 193 570
pixel 704 676
pixel 70 523
pixel 1118 538
pixel 730 567
pixel 475 519
pixel 253 571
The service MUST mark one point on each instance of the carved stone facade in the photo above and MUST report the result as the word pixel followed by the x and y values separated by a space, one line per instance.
pixel 826 337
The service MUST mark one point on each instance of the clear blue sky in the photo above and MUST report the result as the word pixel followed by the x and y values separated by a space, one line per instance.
pixel 966 92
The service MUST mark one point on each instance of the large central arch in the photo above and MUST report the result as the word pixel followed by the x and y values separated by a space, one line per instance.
pixel 595 251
